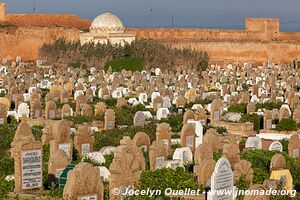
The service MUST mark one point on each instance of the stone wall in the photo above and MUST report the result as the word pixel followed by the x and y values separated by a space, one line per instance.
pixel 259 42
pixel 43 20
pixel 26 41
pixel 227 46
pixel 48 20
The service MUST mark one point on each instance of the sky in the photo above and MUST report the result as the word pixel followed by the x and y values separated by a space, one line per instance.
pixel 211 14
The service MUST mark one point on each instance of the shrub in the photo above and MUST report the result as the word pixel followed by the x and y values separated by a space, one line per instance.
pixel 162 179
pixel 287 124
pixel 239 108
pixel 132 64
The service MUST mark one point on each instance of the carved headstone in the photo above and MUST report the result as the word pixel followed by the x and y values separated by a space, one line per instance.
pixel 84 182
pixel 27 155
pixel 126 166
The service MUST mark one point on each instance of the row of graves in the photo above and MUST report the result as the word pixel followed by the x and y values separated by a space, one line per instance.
pixel 84 181
pixel 49 95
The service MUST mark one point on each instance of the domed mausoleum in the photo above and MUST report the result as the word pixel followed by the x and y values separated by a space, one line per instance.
pixel 107 28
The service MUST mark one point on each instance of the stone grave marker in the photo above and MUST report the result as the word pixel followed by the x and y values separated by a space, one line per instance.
pixel 243 169
pixel 142 140
pixel 51 110
pixel 253 143
pixel 109 119
pixel 157 155
pixel 58 161
pixel 139 119
pixel 27 155
pixel 187 136
pixel 125 168
pixel 84 183
pixel 276 146
pixel 294 146
pixel 163 133
pixel 84 140
pixel 59 138
pixel 184 154
pixel 221 180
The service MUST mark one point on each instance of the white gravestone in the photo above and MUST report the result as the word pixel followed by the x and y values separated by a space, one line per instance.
pixel 253 142
pixel 184 154
pixel 276 146
pixel 221 180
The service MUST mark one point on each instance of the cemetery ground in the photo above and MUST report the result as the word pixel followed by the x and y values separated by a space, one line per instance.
pixel 71 130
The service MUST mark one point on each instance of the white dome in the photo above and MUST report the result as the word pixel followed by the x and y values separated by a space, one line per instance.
pixel 107 23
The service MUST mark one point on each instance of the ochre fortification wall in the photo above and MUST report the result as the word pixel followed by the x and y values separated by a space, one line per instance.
pixel 48 20
pixel 25 41
pixel 227 46
pixel 259 42
pixel 68 21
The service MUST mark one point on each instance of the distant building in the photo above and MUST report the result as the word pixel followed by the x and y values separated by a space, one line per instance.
pixel 107 28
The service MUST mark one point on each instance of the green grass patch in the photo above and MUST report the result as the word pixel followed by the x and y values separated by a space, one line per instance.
pixel 130 63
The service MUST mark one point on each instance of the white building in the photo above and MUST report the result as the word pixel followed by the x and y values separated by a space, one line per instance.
pixel 107 28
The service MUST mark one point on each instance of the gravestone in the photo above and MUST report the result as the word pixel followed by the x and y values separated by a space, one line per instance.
pixel 211 138
pixel 187 136
pixel 277 162
pixel 216 110
pixel 59 138
pixel 80 102
pixel 285 178
pixel 188 115
pixel 58 161
pixel 180 102
pixel 243 169
pixel 164 133
pixel 100 108
pixel 157 102
pixel 84 140
pixel 200 115
pixel 139 119
pixel 141 140
pixel 205 171
pixel 276 146
pixel 84 182
pixel 157 155
pixel 87 110
pixel 294 146
pixel 162 113
pixel 35 109
pixel 232 152
pixel 109 119
pixel 198 130
pixel 51 110
pixel 121 102
pixel 126 166
pixel 253 143
pixel 184 154
pixel 202 152
pixel 27 155
pixel 267 120
pixel 66 111
pixel 221 180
